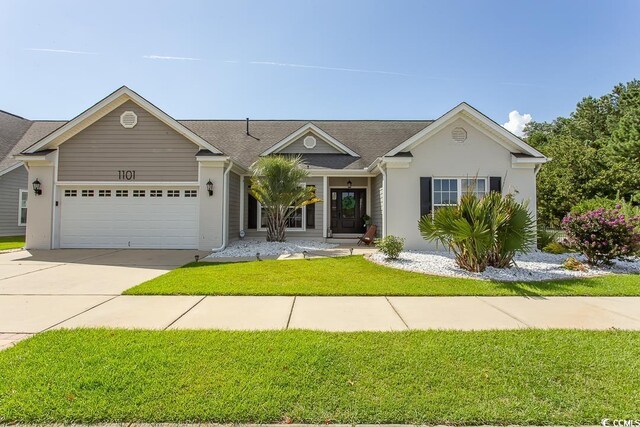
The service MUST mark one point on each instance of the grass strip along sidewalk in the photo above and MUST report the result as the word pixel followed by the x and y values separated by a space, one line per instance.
pixel 433 377
pixel 354 275
pixel 11 242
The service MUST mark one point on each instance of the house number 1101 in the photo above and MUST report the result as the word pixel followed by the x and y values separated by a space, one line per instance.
pixel 126 175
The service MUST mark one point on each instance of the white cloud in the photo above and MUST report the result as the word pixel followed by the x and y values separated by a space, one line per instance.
pixel 73 52
pixel 320 67
pixel 517 122
pixel 171 58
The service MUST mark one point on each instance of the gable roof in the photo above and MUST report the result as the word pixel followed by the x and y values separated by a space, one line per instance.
pixel 12 128
pixel 106 105
pixel 370 139
pixel 310 127
pixel 467 111
pixel 360 143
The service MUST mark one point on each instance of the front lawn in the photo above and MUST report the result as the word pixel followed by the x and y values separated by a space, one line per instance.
pixel 11 242
pixel 556 377
pixel 356 276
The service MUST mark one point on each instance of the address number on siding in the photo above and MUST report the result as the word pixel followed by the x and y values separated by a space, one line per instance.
pixel 126 175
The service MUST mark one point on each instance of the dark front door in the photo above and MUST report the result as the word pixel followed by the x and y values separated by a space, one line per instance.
pixel 347 209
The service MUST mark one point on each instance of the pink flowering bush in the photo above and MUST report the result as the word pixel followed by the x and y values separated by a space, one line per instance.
pixel 603 234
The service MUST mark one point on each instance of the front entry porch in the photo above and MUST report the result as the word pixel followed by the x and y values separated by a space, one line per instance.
pixel 348 209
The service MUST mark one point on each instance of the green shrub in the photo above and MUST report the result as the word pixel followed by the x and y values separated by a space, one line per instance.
pixel 555 248
pixel 573 264
pixel 603 235
pixel 482 232
pixel 545 237
pixel 390 246
pixel 628 209
pixel 593 204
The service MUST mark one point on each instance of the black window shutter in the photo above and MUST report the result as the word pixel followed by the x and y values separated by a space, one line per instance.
pixel 253 213
pixel 425 196
pixel 495 184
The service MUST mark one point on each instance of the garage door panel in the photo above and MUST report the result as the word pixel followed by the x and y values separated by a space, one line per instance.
pixel 128 222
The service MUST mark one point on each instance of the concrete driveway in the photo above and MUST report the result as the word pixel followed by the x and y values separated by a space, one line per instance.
pixel 40 289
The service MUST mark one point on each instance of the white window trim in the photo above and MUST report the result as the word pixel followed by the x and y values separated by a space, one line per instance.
pixel 459 190
pixel 304 220
pixel 259 226
pixel 20 193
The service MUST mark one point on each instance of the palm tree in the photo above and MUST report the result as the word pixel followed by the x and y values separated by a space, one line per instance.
pixel 482 232
pixel 275 183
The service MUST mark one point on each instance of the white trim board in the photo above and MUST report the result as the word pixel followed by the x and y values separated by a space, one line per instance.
pixel 310 127
pixel 107 105
pixel 10 169
pixel 126 184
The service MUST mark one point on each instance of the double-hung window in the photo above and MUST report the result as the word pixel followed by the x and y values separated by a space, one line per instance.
pixel 22 207
pixel 297 220
pixel 448 191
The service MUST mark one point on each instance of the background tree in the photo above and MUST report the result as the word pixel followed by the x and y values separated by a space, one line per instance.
pixel 276 183
pixel 595 152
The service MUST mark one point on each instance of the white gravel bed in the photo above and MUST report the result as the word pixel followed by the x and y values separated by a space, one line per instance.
pixel 531 267
pixel 249 248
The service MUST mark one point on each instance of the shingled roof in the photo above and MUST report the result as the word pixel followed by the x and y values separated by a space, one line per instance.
pixel 12 128
pixel 369 138
pixel 32 131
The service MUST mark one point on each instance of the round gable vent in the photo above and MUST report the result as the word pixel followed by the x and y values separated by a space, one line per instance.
pixel 459 135
pixel 128 119
pixel 309 142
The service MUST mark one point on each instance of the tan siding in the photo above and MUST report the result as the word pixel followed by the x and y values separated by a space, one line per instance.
pixel 234 206
pixel 10 184
pixel 155 151
pixel 297 146
pixel 376 202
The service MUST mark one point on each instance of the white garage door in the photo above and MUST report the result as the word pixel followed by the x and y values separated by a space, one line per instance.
pixel 163 218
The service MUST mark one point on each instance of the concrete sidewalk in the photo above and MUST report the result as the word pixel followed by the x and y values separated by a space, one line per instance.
pixel 28 314
pixel 72 288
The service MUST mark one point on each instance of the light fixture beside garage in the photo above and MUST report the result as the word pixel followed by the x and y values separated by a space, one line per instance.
pixel 37 190
pixel 210 187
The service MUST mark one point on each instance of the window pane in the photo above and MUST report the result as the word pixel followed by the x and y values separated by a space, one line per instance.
pixel 263 218
pixel 23 216
pixel 453 184
pixel 437 184
pixel 445 185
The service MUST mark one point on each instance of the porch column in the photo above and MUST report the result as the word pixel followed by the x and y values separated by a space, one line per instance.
pixel 325 204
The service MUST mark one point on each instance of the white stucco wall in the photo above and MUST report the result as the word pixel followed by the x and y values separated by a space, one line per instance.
pixel 40 208
pixel 440 156
pixel 211 207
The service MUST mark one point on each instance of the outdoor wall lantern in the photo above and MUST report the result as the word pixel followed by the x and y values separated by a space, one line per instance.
pixel 36 187
pixel 210 187
pixel 349 184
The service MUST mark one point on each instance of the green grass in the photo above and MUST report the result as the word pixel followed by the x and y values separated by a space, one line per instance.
pixel 11 242
pixel 434 377
pixel 356 276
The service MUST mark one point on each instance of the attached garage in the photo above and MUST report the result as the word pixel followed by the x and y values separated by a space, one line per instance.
pixel 129 217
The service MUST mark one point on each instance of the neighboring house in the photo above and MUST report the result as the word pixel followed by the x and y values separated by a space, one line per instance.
pixel 125 174
pixel 13 176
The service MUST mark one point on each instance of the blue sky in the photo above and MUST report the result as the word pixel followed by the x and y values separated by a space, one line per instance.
pixel 323 59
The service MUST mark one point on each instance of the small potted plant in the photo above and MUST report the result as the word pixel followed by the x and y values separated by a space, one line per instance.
pixel 366 219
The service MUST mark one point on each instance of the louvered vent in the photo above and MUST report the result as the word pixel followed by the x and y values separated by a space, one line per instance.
pixel 128 119
pixel 459 135
pixel 309 142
